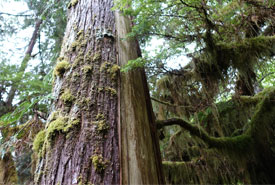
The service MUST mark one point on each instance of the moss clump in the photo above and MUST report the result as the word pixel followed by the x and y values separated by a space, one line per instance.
pixel 99 163
pixel 54 115
pixel 72 3
pixel 84 102
pixel 96 57
pixel 100 116
pixel 87 69
pixel 74 45
pixel 100 89
pixel 39 141
pixel 67 97
pixel 56 126
pixel 61 124
pixel 70 125
pixel 101 125
pixel 75 77
pixel 112 91
pixel 80 33
pixel 113 71
pixel 61 68
pixel 104 66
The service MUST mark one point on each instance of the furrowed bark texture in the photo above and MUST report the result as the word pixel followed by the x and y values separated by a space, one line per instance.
pixel 69 159
pixel 98 133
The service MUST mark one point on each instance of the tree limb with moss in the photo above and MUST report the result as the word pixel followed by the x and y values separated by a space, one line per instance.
pixel 263 118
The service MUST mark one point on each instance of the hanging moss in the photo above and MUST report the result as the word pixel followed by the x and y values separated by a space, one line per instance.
pixel 209 169
pixel 258 45
pixel 213 65
pixel 243 55
pixel 177 172
pixel 61 68
pixel 252 151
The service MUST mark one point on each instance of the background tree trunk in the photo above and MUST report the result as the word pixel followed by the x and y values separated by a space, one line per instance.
pixel 101 128
pixel 140 155
pixel 8 174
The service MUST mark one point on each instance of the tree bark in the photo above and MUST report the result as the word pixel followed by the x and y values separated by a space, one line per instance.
pixel 140 156
pixel 101 128
pixel 8 174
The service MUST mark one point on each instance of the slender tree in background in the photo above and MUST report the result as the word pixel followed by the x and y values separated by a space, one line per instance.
pixel 101 128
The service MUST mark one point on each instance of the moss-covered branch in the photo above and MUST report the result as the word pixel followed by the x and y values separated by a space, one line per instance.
pixel 258 97
pixel 264 115
pixel 167 103
pixel 220 143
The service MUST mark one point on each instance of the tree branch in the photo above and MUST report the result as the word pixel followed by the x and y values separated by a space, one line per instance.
pixel 182 38
pixel 15 15
pixel 188 5
pixel 241 143
pixel 266 75
pixel 235 143
pixel 167 103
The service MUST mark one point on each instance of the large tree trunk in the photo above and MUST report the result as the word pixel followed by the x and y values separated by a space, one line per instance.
pixel 101 128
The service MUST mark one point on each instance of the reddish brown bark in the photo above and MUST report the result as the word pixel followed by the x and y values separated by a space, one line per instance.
pixel 96 87
pixel 69 161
